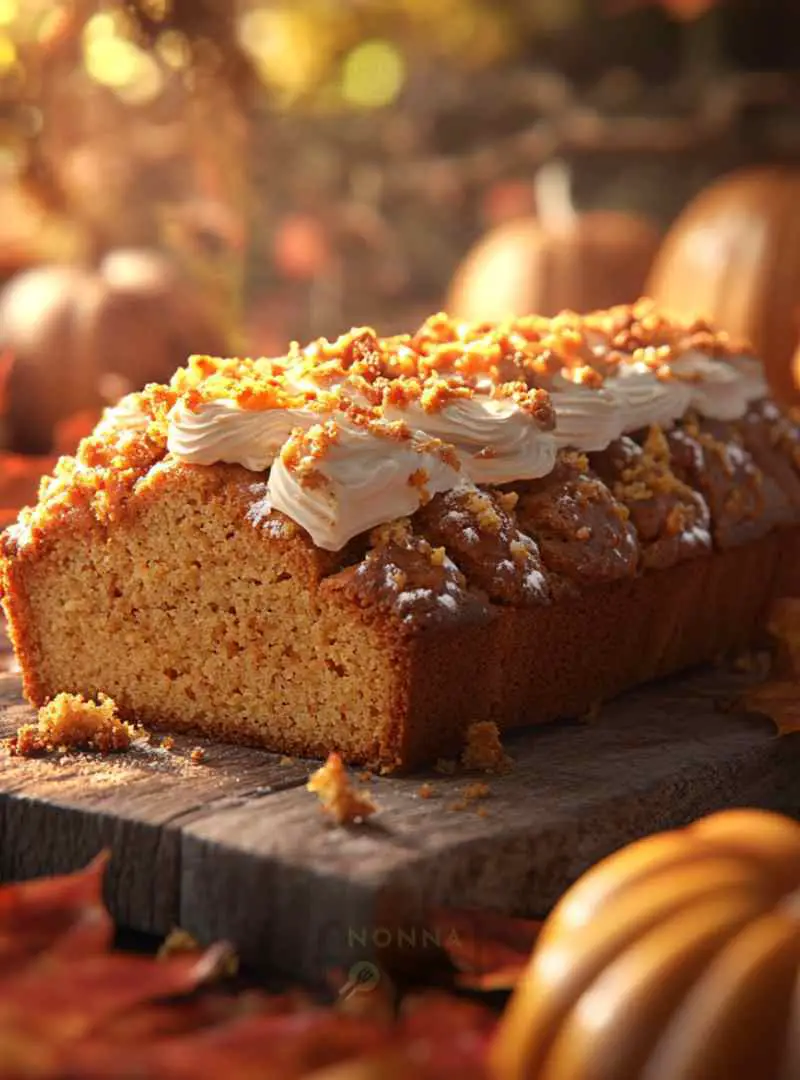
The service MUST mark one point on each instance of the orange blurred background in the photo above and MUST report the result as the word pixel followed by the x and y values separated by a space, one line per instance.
pixel 185 176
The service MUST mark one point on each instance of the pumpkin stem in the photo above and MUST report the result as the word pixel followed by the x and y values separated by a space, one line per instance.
pixel 552 189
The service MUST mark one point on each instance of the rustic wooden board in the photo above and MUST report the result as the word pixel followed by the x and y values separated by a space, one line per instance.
pixel 236 848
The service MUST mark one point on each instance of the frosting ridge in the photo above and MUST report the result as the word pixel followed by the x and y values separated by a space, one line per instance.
pixel 501 399
pixel 339 479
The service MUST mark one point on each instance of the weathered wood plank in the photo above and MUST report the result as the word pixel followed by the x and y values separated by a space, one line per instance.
pixel 236 847
pixel 577 792
pixel 57 813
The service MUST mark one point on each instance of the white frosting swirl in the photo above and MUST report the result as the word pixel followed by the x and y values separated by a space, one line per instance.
pixel 367 479
pixel 363 477
pixel 717 389
pixel 586 419
pixel 645 399
pixel 496 441
pixel 752 372
pixel 125 416
pixel 220 431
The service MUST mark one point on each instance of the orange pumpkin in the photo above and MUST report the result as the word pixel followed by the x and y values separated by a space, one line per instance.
pixel 796 372
pixel 77 338
pixel 555 260
pixel 678 957
pixel 733 255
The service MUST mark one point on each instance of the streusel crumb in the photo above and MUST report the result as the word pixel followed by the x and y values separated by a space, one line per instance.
pixel 70 722
pixel 484 750
pixel 331 783
pixel 478 790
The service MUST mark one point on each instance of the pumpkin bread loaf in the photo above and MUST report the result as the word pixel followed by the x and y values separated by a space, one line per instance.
pixel 371 543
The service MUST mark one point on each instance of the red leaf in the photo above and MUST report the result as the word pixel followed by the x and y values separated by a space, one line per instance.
pixel 67 998
pixel 448 1037
pixel 64 916
pixel 260 1047
pixel 488 948
pixel 779 697
pixel 778 700
pixel 69 1008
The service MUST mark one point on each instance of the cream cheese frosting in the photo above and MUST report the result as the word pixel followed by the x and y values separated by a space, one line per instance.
pixel 587 419
pixel 493 436
pixel 645 399
pixel 720 390
pixel 127 415
pixel 496 440
pixel 221 431
pixel 339 479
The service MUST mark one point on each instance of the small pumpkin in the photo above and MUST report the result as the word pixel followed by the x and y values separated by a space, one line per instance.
pixel 554 260
pixel 78 338
pixel 677 957
pixel 733 255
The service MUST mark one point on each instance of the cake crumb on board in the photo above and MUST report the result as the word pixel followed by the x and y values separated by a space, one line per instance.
pixel 332 785
pixel 471 794
pixel 71 722
pixel 478 790
pixel 483 750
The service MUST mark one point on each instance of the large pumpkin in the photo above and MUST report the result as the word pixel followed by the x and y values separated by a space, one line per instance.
pixel 78 337
pixel 554 260
pixel 796 370
pixel 677 958
pixel 734 256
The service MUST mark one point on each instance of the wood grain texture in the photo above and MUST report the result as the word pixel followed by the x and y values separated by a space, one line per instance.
pixel 236 848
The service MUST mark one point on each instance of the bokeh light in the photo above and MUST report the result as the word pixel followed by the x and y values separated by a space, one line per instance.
pixel 112 60
pixel 8 53
pixel 287 47
pixel 174 50
pixel 9 10
pixel 373 74
pixel 53 25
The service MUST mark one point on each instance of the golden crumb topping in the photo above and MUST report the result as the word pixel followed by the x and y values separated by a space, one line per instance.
pixel 483 749
pixel 70 722
pixel 364 379
pixel 332 784
pixel 306 450
pixel 648 333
